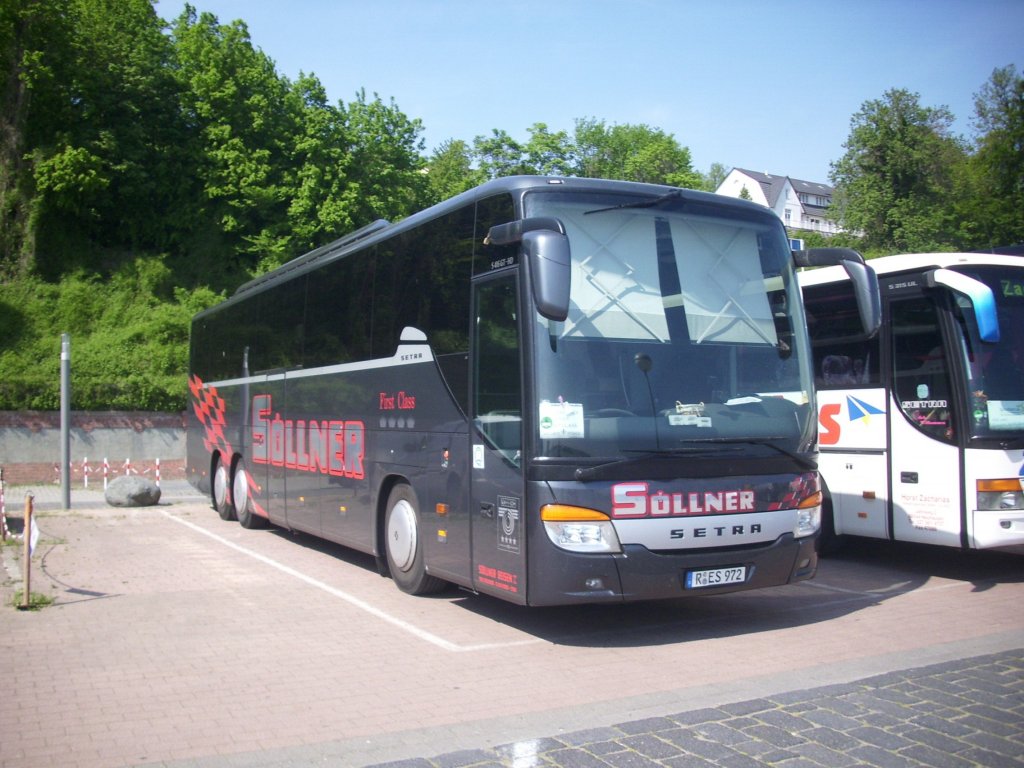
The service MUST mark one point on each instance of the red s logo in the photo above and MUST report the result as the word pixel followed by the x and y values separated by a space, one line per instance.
pixel 828 427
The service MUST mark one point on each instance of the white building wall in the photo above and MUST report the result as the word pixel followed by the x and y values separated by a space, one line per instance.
pixel 734 184
pixel 789 201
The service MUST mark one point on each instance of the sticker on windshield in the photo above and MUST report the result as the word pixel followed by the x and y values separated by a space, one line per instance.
pixel 681 420
pixel 560 420
pixel 689 415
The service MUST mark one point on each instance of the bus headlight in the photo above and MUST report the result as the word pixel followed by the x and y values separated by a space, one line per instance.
pixel 996 495
pixel 808 519
pixel 578 529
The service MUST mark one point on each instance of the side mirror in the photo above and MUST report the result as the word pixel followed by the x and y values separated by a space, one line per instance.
pixel 548 256
pixel 863 277
pixel 865 291
pixel 546 249
pixel 980 296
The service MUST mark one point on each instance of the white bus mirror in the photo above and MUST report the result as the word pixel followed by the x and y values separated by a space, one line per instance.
pixel 980 295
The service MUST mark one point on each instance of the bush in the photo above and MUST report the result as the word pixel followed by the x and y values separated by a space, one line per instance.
pixel 129 339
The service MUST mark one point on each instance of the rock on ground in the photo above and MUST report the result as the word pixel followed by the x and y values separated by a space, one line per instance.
pixel 132 491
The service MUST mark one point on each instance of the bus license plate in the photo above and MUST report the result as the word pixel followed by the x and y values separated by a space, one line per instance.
pixel 715 577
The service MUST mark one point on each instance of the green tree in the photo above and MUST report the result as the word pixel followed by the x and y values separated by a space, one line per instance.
pixel 713 179
pixel 548 154
pixel 317 171
pixel 450 170
pixel 243 124
pixel 894 183
pixel 35 55
pixel 386 177
pixel 991 200
pixel 632 153
pixel 544 153
pixel 91 133
pixel 500 155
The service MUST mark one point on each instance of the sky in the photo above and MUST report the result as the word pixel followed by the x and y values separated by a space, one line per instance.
pixel 765 85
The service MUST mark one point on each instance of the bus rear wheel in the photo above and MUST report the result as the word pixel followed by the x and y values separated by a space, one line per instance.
pixel 221 486
pixel 241 499
pixel 403 545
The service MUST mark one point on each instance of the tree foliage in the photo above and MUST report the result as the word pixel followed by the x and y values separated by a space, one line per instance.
pixel 894 183
pixel 907 183
pixel 595 150
pixel 991 204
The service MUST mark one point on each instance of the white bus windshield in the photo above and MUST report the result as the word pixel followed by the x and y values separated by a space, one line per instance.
pixel 684 327
pixel 995 371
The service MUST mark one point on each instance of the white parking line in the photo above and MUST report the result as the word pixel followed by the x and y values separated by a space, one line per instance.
pixel 896 588
pixel 405 626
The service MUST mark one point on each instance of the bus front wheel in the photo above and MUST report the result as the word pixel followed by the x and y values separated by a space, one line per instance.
pixel 220 491
pixel 403 545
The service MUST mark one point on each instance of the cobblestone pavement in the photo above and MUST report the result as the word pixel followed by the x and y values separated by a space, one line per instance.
pixel 952 715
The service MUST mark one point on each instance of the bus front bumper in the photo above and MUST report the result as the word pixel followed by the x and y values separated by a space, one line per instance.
pixel 640 574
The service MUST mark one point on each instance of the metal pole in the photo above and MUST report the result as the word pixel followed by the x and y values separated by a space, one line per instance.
pixel 26 597
pixel 65 420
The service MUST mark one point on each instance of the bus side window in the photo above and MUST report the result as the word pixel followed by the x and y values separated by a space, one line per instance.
pixel 843 358
pixel 920 370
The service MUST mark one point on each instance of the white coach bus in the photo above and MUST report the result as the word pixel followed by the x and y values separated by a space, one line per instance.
pixel 921 428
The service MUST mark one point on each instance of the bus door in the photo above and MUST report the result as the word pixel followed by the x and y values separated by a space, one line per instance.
pixel 926 472
pixel 496 486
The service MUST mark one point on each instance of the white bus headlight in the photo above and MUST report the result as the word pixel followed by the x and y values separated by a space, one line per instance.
pixel 1002 494
pixel 578 529
pixel 808 518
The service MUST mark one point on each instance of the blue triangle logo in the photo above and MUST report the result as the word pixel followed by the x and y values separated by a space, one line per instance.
pixel 860 410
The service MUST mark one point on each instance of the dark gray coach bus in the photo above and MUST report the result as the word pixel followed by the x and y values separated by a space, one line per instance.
pixel 549 390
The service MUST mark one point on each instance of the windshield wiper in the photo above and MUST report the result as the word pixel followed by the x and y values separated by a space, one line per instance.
pixel 701 446
pixel 654 202
pixel 593 473
pixel 802 461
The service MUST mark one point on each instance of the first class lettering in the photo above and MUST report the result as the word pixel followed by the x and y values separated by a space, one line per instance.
pixel 401 401
pixel 329 447
pixel 635 500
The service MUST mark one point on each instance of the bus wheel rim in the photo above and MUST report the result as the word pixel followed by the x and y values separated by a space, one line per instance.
pixel 220 486
pixel 241 490
pixel 402 535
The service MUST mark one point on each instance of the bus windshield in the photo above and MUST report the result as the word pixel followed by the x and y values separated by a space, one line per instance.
pixel 680 332
pixel 995 371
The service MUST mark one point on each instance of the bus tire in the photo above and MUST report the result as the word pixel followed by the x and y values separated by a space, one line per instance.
pixel 241 499
pixel 220 490
pixel 403 544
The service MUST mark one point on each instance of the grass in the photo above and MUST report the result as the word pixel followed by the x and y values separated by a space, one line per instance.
pixel 36 601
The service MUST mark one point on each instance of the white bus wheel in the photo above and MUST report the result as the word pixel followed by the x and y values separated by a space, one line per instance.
pixel 403 544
